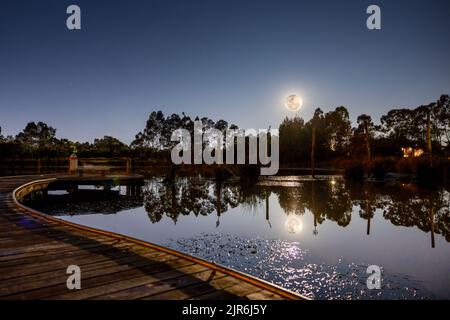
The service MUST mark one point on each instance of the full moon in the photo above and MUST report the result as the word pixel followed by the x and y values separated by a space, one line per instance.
pixel 293 224
pixel 293 102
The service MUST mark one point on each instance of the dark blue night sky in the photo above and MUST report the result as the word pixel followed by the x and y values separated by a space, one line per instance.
pixel 230 59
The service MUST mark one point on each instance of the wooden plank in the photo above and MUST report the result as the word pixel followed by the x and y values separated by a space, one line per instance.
pixel 44 255
pixel 153 288
pixel 37 244
pixel 36 251
pixel 237 289
pixel 263 295
pixel 219 282
pixel 113 273
pixel 162 273
pixel 84 260
pixel 60 291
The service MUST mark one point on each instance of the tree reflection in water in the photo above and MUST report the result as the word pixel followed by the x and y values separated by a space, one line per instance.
pixel 188 196
pixel 84 202
pixel 333 200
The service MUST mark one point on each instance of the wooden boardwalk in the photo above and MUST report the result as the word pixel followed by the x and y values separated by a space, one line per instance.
pixel 35 251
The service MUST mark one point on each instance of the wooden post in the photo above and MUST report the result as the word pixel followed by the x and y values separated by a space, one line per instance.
pixel 313 146
pixel 128 166
pixel 73 163
pixel 39 166
pixel 138 190
pixel 368 211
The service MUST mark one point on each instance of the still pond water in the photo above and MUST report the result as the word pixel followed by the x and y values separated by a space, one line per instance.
pixel 313 237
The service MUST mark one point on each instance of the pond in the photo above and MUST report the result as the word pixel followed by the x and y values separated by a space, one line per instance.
pixel 315 237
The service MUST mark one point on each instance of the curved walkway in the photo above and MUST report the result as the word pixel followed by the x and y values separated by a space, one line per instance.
pixel 36 249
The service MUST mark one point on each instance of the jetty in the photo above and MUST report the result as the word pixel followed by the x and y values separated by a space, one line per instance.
pixel 36 250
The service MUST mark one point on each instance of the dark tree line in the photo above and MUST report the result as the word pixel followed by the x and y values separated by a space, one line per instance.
pixel 336 138
pixel 333 134
pixel 329 134
pixel 158 130
pixel 38 140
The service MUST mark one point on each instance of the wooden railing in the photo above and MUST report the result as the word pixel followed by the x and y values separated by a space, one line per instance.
pixel 104 166
pixel 30 166
pixel 20 166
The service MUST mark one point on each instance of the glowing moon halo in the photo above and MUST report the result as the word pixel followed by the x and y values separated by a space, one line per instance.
pixel 293 102
pixel 293 224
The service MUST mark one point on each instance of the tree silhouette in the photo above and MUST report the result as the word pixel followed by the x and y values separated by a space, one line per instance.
pixel 37 135
pixel 109 145
pixel 338 130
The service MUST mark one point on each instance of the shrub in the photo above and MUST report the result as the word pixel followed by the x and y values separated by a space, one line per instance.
pixel 406 166
pixel 434 174
pixel 354 170
pixel 377 170
pixel 379 167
